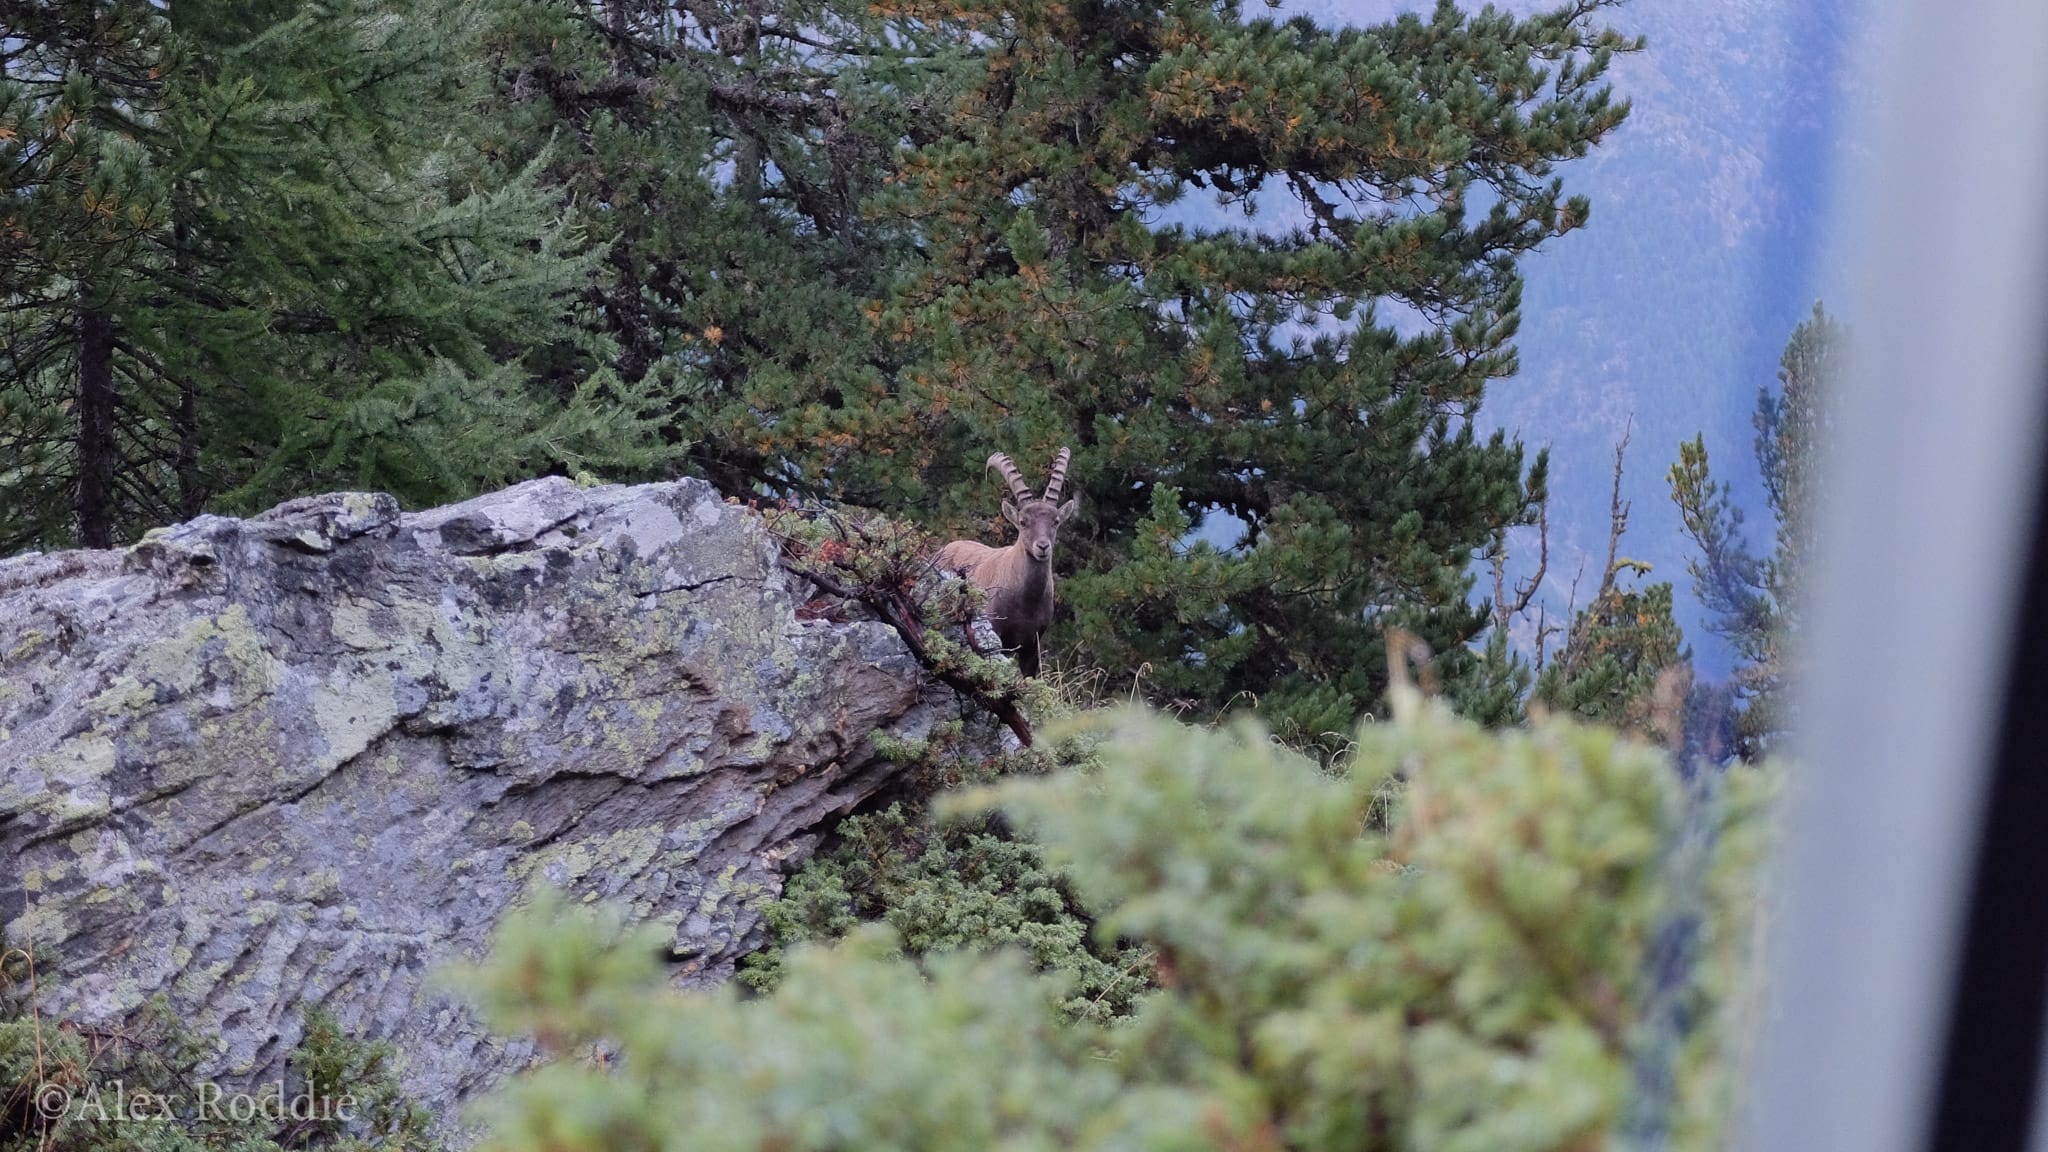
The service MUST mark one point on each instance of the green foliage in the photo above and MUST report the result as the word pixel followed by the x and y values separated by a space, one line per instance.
pixel 969 882
pixel 870 244
pixel 1059 302
pixel 1755 601
pixel 1618 649
pixel 1464 965
pixel 726 159
pixel 254 249
pixel 142 1086
pixel 957 885
pixel 1495 693
pixel 1623 663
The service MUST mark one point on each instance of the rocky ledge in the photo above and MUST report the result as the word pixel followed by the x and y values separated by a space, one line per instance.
pixel 292 762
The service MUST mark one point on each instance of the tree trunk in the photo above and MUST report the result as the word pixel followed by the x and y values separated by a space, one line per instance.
pixel 191 490
pixel 96 449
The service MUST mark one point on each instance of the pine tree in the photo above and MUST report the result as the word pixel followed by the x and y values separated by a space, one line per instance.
pixel 1310 384
pixel 279 266
pixel 1622 647
pixel 726 151
pixel 868 245
pixel 79 195
pixel 1755 601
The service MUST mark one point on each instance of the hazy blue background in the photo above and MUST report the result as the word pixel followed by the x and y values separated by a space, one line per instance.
pixel 1710 218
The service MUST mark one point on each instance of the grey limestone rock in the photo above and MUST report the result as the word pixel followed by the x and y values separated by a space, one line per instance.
pixel 295 761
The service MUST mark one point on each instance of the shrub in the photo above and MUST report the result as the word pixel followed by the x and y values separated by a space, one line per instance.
pixel 946 887
pixel 1532 943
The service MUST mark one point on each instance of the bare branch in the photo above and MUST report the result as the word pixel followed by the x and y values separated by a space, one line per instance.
pixel 1617 512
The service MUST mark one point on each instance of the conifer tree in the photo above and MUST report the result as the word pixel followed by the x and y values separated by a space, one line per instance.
pixel 1312 385
pixel 80 84
pixel 277 264
pixel 1620 648
pixel 1755 601
pixel 726 152
pixel 869 245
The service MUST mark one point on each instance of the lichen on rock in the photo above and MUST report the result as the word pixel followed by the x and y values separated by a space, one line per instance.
pixel 293 762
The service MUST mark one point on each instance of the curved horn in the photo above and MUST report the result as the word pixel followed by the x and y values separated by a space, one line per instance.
pixel 1020 492
pixel 1058 477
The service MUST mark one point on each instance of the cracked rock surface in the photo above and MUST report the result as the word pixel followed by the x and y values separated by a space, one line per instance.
pixel 293 762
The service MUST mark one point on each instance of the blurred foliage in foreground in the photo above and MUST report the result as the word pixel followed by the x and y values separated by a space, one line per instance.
pixel 1453 940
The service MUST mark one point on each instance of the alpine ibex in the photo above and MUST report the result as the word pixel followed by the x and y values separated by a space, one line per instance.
pixel 1018 579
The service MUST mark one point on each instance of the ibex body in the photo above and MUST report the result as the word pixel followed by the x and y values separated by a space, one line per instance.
pixel 1018 579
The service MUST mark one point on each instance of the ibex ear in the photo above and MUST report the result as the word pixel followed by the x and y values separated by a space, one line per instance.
pixel 1068 509
pixel 1011 514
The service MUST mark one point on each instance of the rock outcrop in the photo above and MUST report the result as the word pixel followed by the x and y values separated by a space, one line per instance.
pixel 296 761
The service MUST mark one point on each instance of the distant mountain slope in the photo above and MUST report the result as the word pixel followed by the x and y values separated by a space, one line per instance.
pixel 1709 213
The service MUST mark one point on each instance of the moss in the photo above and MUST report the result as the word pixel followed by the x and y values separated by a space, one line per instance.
pixel 944 888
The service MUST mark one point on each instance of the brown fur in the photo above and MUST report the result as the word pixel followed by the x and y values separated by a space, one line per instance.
pixel 1018 579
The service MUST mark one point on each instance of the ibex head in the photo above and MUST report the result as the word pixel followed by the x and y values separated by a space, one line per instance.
pixel 1037 518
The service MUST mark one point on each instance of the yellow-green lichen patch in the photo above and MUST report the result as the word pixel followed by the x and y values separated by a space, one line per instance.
pixel 194 983
pixel 225 649
pixel 627 852
pixel 351 708
pixel 30 641
pixel 355 622
pixel 320 886
pixel 76 779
